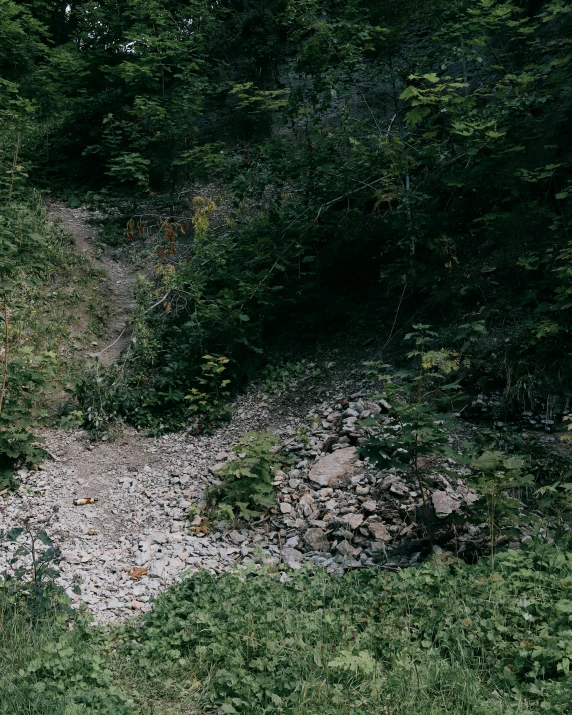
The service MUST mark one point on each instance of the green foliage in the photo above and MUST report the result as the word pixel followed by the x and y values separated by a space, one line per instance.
pixel 350 141
pixel 46 665
pixel 278 377
pixel 498 474
pixel 45 290
pixel 27 377
pixel 211 398
pixel 438 639
pixel 547 462
pixel 416 429
pixel 246 484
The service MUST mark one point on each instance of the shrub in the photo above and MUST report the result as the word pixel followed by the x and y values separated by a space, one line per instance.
pixel 210 399
pixel 247 480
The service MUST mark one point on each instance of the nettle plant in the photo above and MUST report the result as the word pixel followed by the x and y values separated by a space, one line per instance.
pixel 499 478
pixel 34 570
pixel 210 398
pixel 421 414
pixel 246 488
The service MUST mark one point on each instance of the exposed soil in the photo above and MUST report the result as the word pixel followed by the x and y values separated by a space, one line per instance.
pixel 121 279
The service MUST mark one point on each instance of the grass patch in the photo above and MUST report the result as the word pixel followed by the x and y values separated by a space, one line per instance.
pixel 444 638
pixel 58 300
pixel 49 668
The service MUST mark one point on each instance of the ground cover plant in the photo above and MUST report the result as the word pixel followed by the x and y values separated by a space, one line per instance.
pixel 442 638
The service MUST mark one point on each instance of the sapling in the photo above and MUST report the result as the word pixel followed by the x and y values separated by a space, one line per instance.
pixel 497 474
pixel 247 480
pixel 418 429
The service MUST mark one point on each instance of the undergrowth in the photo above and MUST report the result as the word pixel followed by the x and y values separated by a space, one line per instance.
pixel 440 639
pixel 475 640
pixel 47 292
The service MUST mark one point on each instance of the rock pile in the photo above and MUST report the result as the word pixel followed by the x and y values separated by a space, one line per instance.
pixel 145 531
pixel 337 510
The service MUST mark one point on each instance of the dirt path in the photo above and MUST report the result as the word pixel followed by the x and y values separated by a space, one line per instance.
pixel 121 279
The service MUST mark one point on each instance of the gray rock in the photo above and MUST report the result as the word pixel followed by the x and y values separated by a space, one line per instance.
pixel 329 442
pixel 159 567
pixel 355 521
pixel 236 537
pixel 388 481
pixel 307 506
pixel 444 504
pixel 399 489
pixel 71 558
pixel 317 540
pixel 346 549
pixel 292 557
pixel 335 469
pixel 379 531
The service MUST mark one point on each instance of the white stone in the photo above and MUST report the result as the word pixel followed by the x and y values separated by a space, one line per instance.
pixel 444 504
pixel 292 557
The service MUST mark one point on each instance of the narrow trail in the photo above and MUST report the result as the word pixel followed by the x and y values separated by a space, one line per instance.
pixel 121 278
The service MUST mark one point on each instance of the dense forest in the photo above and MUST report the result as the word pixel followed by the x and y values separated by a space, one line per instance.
pixel 389 179
pixel 311 167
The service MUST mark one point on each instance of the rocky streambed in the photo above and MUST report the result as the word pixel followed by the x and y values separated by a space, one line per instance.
pixel 333 509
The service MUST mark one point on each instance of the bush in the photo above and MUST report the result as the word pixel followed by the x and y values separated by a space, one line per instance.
pixel 247 481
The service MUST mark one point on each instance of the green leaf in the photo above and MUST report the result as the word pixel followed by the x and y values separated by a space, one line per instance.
pixel 14 533
pixel 45 539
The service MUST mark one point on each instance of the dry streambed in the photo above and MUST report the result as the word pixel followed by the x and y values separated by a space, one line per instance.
pixel 332 509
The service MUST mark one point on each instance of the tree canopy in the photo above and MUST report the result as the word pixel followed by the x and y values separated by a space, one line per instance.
pixel 372 157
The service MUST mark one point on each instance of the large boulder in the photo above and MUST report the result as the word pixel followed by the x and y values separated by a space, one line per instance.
pixel 317 540
pixel 444 504
pixel 335 469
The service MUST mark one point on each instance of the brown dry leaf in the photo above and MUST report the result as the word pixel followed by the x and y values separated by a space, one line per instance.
pixel 201 528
